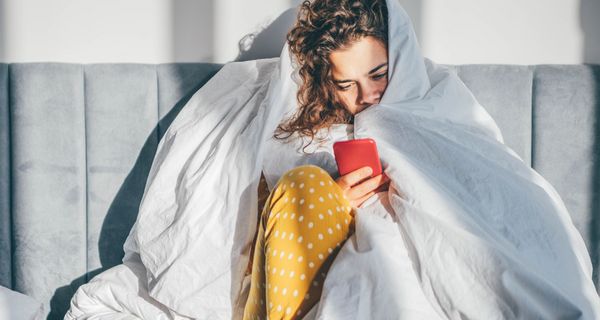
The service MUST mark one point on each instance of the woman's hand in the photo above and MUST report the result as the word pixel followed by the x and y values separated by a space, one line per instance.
pixel 358 191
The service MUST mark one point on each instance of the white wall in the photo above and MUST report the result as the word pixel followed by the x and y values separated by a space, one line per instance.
pixel 86 30
pixel 457 31
pixel 507 31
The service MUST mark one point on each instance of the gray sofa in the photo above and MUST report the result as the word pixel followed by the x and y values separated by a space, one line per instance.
pixel 77 142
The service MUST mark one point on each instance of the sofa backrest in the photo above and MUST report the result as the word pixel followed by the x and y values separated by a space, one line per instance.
pixel 77 142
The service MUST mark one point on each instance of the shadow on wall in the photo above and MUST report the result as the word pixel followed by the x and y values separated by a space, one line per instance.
pixel 590 25
pixel 414 9
pixel 268 42
pixel 192 30
pixel 193 33
pixel 589 12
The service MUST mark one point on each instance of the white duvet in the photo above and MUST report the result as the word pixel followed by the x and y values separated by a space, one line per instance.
pixel 17 306
pixel 466 230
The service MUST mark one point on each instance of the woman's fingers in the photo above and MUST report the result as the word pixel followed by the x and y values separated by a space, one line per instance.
pixel 358 185
pixel 367 186
pixel 362 199
pixel 352 178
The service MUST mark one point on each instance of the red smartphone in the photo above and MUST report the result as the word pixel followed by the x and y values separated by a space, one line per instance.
pixel 354 154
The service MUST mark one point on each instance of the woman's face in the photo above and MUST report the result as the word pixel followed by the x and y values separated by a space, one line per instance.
pixel 359 72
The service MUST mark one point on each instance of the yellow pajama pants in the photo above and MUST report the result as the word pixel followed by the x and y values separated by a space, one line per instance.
pixel 303 224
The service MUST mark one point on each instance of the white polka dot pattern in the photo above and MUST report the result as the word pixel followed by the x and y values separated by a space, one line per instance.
pixel 303 225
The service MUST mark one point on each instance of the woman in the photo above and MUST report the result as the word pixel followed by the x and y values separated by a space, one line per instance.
pixel 341 47
pixel 465 230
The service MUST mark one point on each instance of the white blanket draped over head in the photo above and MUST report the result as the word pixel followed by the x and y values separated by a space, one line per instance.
pixel 486 236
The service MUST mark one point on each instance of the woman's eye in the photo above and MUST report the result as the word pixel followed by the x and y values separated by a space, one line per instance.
pixel 379 76
pixel 345 88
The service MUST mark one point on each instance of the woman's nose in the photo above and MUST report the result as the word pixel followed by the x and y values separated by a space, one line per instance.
pixel 370 94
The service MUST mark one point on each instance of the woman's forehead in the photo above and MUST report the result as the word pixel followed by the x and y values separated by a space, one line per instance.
pixel 358 59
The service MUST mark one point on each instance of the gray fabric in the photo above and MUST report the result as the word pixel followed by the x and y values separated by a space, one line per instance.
pixel 82 139
pixel 5 233
pixel 505 91
pixel 120 115
pixel 48 181
pixel 566 142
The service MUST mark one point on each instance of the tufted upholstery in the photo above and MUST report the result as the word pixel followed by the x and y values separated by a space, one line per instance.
pixel 77 142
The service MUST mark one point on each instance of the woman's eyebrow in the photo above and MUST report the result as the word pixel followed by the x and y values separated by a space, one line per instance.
pixel 378 67
pixel 370 72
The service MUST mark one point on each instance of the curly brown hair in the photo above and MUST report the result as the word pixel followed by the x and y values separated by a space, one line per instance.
pixel 323 26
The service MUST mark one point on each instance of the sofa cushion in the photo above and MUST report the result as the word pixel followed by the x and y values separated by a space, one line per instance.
pixel 49 201
pixel 566 142
pixel 505 92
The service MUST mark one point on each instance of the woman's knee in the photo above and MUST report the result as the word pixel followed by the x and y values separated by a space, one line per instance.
pixel 307 190
pixel 304 183
pixel 298 176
